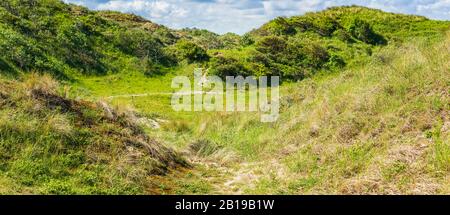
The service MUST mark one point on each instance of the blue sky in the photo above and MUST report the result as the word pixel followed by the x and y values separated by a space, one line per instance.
pixel 240 16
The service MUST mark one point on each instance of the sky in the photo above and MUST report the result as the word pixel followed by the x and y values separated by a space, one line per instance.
pixel 241 16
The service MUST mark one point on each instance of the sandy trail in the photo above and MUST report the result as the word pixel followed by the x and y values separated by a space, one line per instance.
pixel 163 94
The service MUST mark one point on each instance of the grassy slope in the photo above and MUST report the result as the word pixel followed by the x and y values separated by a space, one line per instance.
pixel 299 47
pixel 391 25
pixel 360 131
pixel 54 145
pixel 378 127
pixel 381 127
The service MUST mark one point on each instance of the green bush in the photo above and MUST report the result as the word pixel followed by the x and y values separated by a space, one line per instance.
pixel 227 66
pixel 362 30
pixel 142 45
pixel 281 26
pixel 247 40
pixel 343 36
pixel 78 47
pixel 315 55
pixel 230 40
pixel 325 26
pixel 186 50
pixel 335 62
pixel 271 45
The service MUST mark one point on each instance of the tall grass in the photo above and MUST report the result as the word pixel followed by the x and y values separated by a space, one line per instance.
pixel 381 127
pixel 50 144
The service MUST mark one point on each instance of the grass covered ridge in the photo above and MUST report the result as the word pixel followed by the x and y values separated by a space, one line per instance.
pixel 381 127
pixel 364 110
pixel 51 144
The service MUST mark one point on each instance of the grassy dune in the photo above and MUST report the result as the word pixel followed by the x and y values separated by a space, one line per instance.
pixel 382 127
pixel 85 105
pixel 51 144
pixel 378 127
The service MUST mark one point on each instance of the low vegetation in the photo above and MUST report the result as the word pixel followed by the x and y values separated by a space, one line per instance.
pixel 381 127
pixel 85 105
pixel 52 144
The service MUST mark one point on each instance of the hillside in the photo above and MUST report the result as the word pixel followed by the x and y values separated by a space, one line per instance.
pixel 68 40
pixel 299 47
pixel 85 105
pixel 55 145
pixel 380 127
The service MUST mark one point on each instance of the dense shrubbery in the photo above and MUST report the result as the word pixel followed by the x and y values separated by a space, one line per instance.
pixel 209 40
pixel 53 144
pixel 362 30
pixel 186 50
pixel 300 46
pixel 50 36
pixel 271 45
pixel 281 26
pixel 40 35
pixel 223 66
pixel 203 38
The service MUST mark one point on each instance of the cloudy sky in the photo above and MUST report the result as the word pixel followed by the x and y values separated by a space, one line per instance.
pixel 240 16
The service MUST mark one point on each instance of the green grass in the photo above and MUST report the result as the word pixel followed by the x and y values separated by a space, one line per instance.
pixel 374 128
pixel 50 144
pixel 378 125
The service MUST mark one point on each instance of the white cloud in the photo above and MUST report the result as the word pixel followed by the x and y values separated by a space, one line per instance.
pixel 240 16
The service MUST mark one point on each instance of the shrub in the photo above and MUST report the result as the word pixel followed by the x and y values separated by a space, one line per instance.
pixel 247 40
pixel 362 30
pixel 227 66
pixel 335 62
pixel 325 26
pixel 140 44
pixel 7 68
pixel 343 36
pixel 186 50
pixel 203 38
pixel 271 45
pixel 315 56
pixel 78 51
pixel 230 40
pixel 281 26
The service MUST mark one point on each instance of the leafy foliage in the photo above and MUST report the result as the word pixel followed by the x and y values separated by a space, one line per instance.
pixel 362 30
pixel 66 40
pixel 50 36
pixel 186 50
pixel 227 66
pixel 300 46
pixel 53 144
